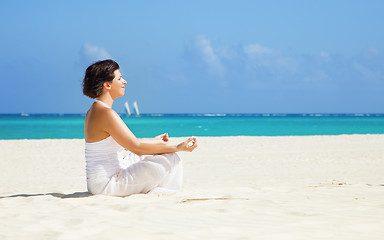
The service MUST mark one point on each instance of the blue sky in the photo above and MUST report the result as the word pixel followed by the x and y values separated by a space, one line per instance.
pixel 196 56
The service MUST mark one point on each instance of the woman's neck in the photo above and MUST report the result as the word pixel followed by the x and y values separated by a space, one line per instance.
pixel 107 99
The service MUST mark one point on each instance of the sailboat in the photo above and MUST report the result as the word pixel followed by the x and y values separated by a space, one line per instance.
pixel 136 109
pixel 127 111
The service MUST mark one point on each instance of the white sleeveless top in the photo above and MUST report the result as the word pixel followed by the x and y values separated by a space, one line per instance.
pixel 103 160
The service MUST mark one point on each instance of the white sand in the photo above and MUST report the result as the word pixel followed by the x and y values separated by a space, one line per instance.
pixel 313 187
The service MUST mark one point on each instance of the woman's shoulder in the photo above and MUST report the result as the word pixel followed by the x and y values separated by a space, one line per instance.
pixel 97 113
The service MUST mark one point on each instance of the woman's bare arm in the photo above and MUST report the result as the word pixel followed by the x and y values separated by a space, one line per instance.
pixel 115 126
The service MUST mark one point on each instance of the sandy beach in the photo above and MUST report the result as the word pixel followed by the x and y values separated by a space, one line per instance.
pixel 296 187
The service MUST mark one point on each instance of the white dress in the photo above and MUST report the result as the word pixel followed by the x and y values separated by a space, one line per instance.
pixel 113 171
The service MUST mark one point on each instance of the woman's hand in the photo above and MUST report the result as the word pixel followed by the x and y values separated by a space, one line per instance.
pixel 189 145
pixel 163 137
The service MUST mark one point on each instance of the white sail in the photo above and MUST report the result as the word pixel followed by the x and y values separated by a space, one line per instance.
pixel 126 106
pixel 136 109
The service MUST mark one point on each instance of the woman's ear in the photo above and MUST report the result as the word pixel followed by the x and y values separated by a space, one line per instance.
pixel 107 85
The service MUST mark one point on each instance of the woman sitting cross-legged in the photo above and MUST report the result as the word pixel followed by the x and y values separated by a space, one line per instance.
pixel 151 166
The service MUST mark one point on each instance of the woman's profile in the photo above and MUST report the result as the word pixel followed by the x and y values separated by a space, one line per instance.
pixel 150 166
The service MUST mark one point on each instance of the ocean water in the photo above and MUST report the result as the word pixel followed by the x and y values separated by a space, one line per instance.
pixel 67 126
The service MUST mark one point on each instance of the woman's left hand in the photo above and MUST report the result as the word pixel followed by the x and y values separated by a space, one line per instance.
pixel 163 137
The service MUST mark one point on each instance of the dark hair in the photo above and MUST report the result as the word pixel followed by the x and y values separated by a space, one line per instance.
pixel 96 75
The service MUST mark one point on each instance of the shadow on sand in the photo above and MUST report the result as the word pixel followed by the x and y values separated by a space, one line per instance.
pixel 58 195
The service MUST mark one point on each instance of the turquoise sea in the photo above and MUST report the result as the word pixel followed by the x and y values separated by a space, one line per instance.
pixel 67 126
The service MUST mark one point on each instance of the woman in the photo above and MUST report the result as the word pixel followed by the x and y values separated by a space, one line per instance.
pixel 151 166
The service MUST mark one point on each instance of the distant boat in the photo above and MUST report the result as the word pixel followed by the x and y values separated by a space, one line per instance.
pixel 136 109
pixel 126 106
pixel 24 114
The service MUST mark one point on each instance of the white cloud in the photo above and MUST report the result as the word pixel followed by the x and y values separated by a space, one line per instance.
pixel 324 54
pixel 260 56
pixel 368 73
pixel 371 53
pixel 94 53
pixel 257 50
pixel 205 49
pixel 254 64
pixel 325 57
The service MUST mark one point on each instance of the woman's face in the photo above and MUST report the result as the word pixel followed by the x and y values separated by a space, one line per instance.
pixel 118 85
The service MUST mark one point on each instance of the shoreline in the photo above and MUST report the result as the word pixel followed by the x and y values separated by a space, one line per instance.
pixel 179 137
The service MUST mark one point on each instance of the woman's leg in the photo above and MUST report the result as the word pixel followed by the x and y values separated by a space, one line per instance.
pixel 164 171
